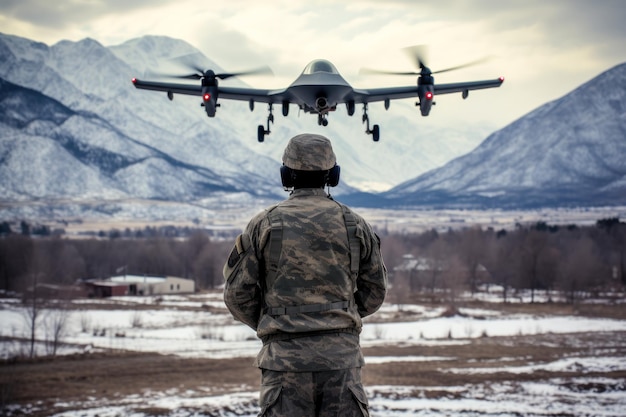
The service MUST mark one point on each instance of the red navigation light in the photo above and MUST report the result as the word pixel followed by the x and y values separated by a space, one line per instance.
pixel 134 80
pixel 429 95
pixel 501 79
pixel 207 97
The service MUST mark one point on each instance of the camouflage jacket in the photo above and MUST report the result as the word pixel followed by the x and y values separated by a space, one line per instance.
pixel 307 309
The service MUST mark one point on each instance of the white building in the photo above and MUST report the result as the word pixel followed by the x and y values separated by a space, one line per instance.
pixel 147 285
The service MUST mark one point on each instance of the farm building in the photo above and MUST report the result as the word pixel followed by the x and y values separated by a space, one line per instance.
pixel 139 285
pixel 421 272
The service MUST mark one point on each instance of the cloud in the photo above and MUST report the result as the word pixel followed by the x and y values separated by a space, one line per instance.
pixel 64 13
pixel 544 48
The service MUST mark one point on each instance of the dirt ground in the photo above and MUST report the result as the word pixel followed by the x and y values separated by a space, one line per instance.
pixel 71 379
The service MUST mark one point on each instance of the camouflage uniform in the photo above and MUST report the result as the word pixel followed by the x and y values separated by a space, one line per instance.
pixel 307 307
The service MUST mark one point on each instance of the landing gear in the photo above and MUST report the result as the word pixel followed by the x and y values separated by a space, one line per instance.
pixel 321 120
pixel 375 132
pixel 261 131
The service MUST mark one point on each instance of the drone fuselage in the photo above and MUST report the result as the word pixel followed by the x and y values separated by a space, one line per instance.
pixel 320 92
pixel 319 89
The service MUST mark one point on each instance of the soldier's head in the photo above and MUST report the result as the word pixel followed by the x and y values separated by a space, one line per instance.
pixel 309 162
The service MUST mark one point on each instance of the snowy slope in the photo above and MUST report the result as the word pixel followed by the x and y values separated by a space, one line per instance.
pixel 50 151
pixel 73 127
pixel 90 79
pixel 569 151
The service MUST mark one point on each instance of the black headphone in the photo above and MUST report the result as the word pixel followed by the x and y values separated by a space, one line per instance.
pixel 288 175
pixel 333 176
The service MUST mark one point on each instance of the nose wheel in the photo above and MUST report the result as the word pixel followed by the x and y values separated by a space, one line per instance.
pixel 322 120
pixel 261 130
pixel 375 131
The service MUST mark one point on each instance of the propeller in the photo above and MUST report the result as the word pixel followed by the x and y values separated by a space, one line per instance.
pixel 199 74
pixel 190 62
pixel 417 54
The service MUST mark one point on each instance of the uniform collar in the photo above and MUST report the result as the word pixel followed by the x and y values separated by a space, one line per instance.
pixel 307 192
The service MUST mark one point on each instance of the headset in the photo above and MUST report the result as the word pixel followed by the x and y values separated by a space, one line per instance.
pixel 288 176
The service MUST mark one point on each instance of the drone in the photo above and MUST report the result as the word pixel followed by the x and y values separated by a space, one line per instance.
pixel 318 90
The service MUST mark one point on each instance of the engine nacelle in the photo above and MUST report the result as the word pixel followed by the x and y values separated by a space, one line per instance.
pixel 426 95
pixel 321 104
pixel 209 100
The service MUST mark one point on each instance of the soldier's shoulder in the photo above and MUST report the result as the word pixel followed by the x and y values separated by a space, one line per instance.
pixel 261 219
pixel 357 216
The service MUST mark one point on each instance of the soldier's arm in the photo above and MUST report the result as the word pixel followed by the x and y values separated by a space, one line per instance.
pixel 242 290
pixel 372 279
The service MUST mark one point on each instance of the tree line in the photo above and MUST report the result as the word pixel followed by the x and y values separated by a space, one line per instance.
pixel 54 259
pixel 574 260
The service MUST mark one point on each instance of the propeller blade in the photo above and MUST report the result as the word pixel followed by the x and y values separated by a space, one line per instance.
pixel 418 54
pixel 209 73
pixel 193 62
pixel 256 71
pixel 188 77
pixel 381 72
pixel 469 64
pixel 159 74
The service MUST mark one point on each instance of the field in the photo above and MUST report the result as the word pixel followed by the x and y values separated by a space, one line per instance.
pixel 184 356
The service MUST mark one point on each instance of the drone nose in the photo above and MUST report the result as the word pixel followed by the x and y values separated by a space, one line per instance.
pixel 321 103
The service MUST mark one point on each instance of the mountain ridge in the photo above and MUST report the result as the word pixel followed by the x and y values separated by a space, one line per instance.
pixel 73 127
pixel 568 152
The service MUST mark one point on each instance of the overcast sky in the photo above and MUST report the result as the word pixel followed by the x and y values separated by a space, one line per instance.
pixel 543 48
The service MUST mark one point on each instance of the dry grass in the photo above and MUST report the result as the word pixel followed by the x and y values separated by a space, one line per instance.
pixel 73 379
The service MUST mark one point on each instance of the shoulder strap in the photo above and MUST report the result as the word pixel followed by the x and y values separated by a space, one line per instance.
pixel 355 244
pixel 276 242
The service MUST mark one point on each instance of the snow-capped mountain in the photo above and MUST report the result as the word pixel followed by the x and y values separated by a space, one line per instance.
pixel 571 151
pixel 71 127
pixel 74 128
pixel 75 135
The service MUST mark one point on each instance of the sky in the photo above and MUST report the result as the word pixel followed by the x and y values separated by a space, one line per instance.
pixel 544 49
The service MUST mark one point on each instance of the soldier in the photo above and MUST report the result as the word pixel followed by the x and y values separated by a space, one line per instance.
pixel 303 274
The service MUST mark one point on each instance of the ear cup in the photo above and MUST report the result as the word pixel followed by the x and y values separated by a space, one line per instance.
pixel 286 176
pixel 333 176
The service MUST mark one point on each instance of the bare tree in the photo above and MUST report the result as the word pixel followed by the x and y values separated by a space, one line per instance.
pixel 34 300
pixel 471 250
pixel 209 264
pixel 190 251
pixel 16 252
pixel 56 327
pixel 32 313
pixel 503 266
pixel 533 246
pixel 579 269
pixel 453 278
pixel 438 259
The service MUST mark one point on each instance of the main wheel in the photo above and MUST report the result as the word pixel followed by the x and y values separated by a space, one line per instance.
pixel 261 133
pixel 376 133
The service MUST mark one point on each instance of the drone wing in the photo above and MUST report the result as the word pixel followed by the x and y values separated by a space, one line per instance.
pixel 192 90
pixel 466 86
pixel 254 94
pixel 230 93
pixel 395 93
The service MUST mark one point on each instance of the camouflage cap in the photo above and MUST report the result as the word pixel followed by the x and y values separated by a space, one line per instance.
pixel 309 152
